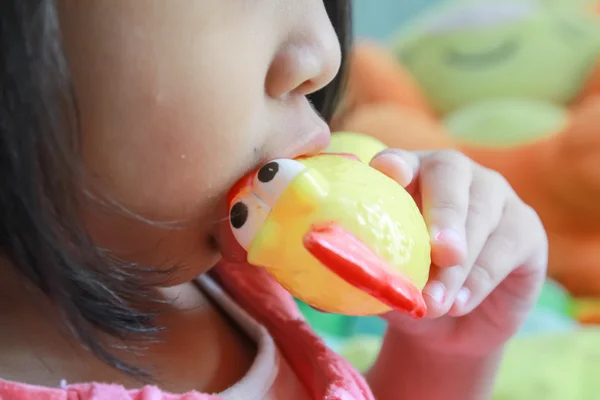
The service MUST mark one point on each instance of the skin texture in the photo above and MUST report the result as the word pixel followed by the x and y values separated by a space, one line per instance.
pixel 179 99
pixel 169 122
pixel 159 159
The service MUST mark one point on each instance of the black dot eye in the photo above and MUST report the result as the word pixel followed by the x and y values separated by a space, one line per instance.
pixel 238 215
pixel 268 172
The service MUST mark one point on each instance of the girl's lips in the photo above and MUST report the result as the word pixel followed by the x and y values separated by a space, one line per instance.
pixel 317 143
pixel 313 143
pixel 320 142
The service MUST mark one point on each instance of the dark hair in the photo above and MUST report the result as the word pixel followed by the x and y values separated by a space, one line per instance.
pixel 40 183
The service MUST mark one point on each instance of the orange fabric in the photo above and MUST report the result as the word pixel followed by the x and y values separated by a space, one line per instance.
pixel 375 77
pixel 592 87
pixel 388 122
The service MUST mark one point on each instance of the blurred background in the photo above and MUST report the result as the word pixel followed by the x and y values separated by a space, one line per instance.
pixel 378 19
pixel 514 85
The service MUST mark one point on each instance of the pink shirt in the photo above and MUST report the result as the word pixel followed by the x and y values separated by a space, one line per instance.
pixel 292 362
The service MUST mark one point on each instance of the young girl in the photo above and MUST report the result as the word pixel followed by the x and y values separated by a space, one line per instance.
pixel 122 126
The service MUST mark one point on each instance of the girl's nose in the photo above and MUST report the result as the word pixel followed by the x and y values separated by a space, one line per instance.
pixel 307 61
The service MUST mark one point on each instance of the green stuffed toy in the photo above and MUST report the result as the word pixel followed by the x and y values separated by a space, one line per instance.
pixel 562 366
pixel 502 72
pixel 581 4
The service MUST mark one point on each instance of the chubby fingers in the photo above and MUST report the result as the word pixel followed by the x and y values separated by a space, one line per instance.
pixel 439 182
pixel 514 256
pixel 445 182
pixel 400 165
pixel 489 193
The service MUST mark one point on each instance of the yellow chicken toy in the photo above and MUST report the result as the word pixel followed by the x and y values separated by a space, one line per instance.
pixel 336 233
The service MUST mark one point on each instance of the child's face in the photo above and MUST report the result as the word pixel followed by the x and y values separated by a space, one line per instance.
pixel 179 98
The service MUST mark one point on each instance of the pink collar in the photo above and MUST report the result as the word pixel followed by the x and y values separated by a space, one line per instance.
pixel 325 375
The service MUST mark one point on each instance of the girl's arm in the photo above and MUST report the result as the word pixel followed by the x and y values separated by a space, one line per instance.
pixel 404 370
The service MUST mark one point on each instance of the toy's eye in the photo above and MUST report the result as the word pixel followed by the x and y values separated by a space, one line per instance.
pixel 238 216
pixel 274 177
pixel 246 217
pixel 268 172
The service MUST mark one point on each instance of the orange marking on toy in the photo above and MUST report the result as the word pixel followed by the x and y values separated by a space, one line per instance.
pixel 346 155
pixel 241 187
pixel 350 259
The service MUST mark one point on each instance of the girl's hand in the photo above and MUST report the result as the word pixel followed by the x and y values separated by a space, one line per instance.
pixel 489 252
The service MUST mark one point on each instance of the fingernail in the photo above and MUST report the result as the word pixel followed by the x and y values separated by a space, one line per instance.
pixel 395 167
pixel 446 235
pixel 462 296
pixel 435 290
pixel 449 236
